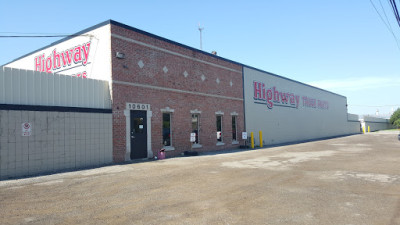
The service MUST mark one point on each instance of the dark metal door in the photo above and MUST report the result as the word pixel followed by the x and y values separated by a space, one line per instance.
pixel 138 134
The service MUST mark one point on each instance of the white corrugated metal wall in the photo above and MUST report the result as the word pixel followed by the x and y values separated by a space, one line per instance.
pixel 285 123
pixel 27 87
pixel 354 123
pixel 76 134
pixel 376 124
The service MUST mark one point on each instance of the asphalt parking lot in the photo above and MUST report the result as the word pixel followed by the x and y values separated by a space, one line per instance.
pixel 348 180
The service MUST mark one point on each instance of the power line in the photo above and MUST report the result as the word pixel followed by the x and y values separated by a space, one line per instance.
pixel 383 9
pixel 26 33
pixel 32 36
pixel 395 11
pixel 386 24
pixel 41 36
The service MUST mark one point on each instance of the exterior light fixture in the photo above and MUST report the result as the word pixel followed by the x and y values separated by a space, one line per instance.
pixel 120 55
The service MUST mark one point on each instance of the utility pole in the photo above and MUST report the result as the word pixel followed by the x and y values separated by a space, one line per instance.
pixel 201 41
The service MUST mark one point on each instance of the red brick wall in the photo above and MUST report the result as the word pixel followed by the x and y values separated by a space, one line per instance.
pixel 226 98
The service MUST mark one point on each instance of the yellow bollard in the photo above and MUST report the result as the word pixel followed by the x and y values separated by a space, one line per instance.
pixel 363 130
pixel 368 129
pixel 252 139
pixel 261 141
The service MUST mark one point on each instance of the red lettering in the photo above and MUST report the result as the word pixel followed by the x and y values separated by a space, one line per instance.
pixel 86 49
pixel 309 102
pixel 292 102
pixel 276 95
pixel 48 64
pixel 322 104
pixel 257 90
pixel 77 55
pixel 53 62
pixel 263 91
pixel 56 60
pixel 284 98
pixel 67 57
pixel 43 65
pixel 38 63
pixel 270 104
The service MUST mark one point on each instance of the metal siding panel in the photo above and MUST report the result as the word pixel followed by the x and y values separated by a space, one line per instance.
pixel 92 93
pixel 80 92
pixel 24 87
pixel 74 91
pixel 8 85
pixel 30 87
pixel 39 76
pixel 44 88
pixel 50 90
pixel 93 85
pixel 63 90
pixel 95 96
pixel 85 93
pixel 2 86
pixel 68 93
pixel 37 81
pixel 57 90
pixel 39 88
pixel 16 78
pixel 106 99
pixel 98 93
pixel 101 95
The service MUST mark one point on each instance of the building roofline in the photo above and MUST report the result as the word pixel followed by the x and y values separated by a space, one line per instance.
pixel 61 40
pixel 212 55
pixel 171 42
pixel 113 22
pixel 282 77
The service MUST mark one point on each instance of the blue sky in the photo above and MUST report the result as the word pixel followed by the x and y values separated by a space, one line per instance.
pixel 338 45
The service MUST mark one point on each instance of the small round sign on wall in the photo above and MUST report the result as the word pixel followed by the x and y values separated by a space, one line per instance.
pixel 26 129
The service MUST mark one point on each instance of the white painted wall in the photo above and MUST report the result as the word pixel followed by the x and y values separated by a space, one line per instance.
pixel 97 66
pixel 297 122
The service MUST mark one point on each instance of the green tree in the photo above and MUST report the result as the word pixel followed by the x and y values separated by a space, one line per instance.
pixel 395 118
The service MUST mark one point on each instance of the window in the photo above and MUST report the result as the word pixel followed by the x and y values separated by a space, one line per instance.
pixel 138 126
pixel 195 127
pixel 234 129
pixel 219 128
pixel 166 129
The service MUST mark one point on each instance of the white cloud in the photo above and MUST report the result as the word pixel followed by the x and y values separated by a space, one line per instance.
pixel 357 84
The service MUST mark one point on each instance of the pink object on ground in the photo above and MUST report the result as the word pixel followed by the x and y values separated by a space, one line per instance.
pixel 161 154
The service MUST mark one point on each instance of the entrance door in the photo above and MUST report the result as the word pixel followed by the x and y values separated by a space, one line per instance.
pixel 138 134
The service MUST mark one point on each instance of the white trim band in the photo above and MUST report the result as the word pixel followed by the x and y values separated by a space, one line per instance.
pixel 220 113
pixel 167 110
pixel 174 90
pixel 196 111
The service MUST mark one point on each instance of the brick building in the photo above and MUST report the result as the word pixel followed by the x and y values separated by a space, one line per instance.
pixel 162 92
pixel 183 90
